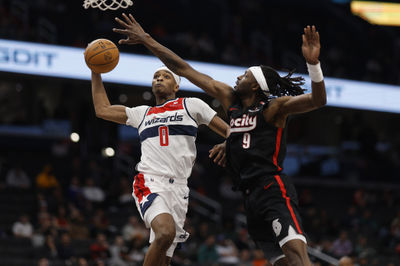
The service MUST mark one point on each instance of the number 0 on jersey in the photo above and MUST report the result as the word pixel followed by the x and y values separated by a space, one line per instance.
pixel 163 133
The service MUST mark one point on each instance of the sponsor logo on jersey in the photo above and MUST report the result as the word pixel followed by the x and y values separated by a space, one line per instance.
pixel 171 118
pixel 243 124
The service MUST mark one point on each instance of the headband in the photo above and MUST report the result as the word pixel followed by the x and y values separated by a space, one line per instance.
pixel 176 77
pixel 259 76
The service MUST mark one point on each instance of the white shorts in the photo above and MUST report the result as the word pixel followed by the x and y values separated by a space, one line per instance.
pixel 155 195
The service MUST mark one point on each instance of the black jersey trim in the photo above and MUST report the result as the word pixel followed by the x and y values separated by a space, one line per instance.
pixel 145 113
pixel 187 111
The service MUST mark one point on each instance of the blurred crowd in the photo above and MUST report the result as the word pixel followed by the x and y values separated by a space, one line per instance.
pixel 231 32
pixel 67 211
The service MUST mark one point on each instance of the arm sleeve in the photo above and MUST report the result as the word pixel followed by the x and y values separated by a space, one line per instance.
pixel 135 115
pixel 199 111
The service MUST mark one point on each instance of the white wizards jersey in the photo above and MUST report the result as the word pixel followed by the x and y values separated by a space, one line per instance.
pixel 167 134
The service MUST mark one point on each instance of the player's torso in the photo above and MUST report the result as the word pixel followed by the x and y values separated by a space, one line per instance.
pixel 167 135
pixel 255 147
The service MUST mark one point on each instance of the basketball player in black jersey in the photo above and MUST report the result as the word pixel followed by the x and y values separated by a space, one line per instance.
pixel 258 108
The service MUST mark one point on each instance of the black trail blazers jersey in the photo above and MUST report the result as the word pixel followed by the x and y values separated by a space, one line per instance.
pixel 255 148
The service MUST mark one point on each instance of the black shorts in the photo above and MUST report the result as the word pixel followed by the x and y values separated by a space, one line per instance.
pixel 273 218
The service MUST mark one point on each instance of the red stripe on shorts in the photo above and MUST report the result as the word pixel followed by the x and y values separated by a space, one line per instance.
pixel 145 190
pixel 139 187
pixel 136 189
pixel 277 148
pixel 283 189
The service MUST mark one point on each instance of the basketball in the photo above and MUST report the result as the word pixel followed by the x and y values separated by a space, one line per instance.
pixel 101 56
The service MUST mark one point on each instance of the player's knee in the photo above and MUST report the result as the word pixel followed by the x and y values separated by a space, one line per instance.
pixel 295 255
pixel 165 236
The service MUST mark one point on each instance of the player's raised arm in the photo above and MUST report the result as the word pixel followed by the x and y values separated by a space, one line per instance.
pixel 317 98
pixel 136 35
pixel 102 106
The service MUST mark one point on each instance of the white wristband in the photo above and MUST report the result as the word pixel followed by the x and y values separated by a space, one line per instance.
pixel 315 72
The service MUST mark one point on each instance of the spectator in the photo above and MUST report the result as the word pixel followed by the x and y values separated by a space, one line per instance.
pixel 342 246
pixel 346 261
pixel 47 225
pixel 126 192
pixel 43 262
pixel 82 262
pixel 227 251
pixel 245 258
pixel 118 252
pixel 242 242
pixel 17 178
pixel 74 190
pixel 65 249
pixel 49 250
pixel 45 179
pixel 23 228
pixel 100 222
pixel 137 251
pixel 61 220
pixel 207 254
pixel 78 227
pixel 92 192
pixel 99 250
pixel 362 249
pixel 133 229
pixel 258 258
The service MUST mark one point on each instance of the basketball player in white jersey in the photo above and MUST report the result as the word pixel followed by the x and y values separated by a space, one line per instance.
pixel 167 134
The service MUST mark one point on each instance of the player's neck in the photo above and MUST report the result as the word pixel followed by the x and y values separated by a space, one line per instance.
pixel 248 100
pixel 162 99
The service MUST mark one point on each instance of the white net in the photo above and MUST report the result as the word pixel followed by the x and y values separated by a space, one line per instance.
pixel 107 4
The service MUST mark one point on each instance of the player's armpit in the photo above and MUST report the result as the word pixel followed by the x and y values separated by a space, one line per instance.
pixel 113 113
pixel 219 126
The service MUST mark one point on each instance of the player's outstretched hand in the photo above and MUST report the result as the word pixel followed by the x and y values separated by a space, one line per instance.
pixel 133 31
pixel 311 45
pixel 218 153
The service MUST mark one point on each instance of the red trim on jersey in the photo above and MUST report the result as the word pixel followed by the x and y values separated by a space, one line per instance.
pixel 139 187
pixel 283 189
pixel 277 147
pixel 169 106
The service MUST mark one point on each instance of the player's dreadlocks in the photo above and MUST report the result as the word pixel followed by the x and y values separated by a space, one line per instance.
pixel 282 86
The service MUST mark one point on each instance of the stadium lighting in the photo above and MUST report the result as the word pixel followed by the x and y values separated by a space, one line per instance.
pixel 215 103
pixel 379 13
pixel 123 98
pixel 74 137
pixel 146 95
pixel 108 152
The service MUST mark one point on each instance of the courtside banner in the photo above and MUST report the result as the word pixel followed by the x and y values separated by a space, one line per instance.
pixel 68 62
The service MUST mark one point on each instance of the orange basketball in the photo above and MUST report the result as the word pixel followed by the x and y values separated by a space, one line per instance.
pixel 101 55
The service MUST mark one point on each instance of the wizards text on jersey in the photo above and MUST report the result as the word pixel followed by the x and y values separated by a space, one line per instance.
pixel 172 117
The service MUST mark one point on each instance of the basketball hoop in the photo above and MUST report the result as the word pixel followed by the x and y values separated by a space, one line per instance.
pixel 107 4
